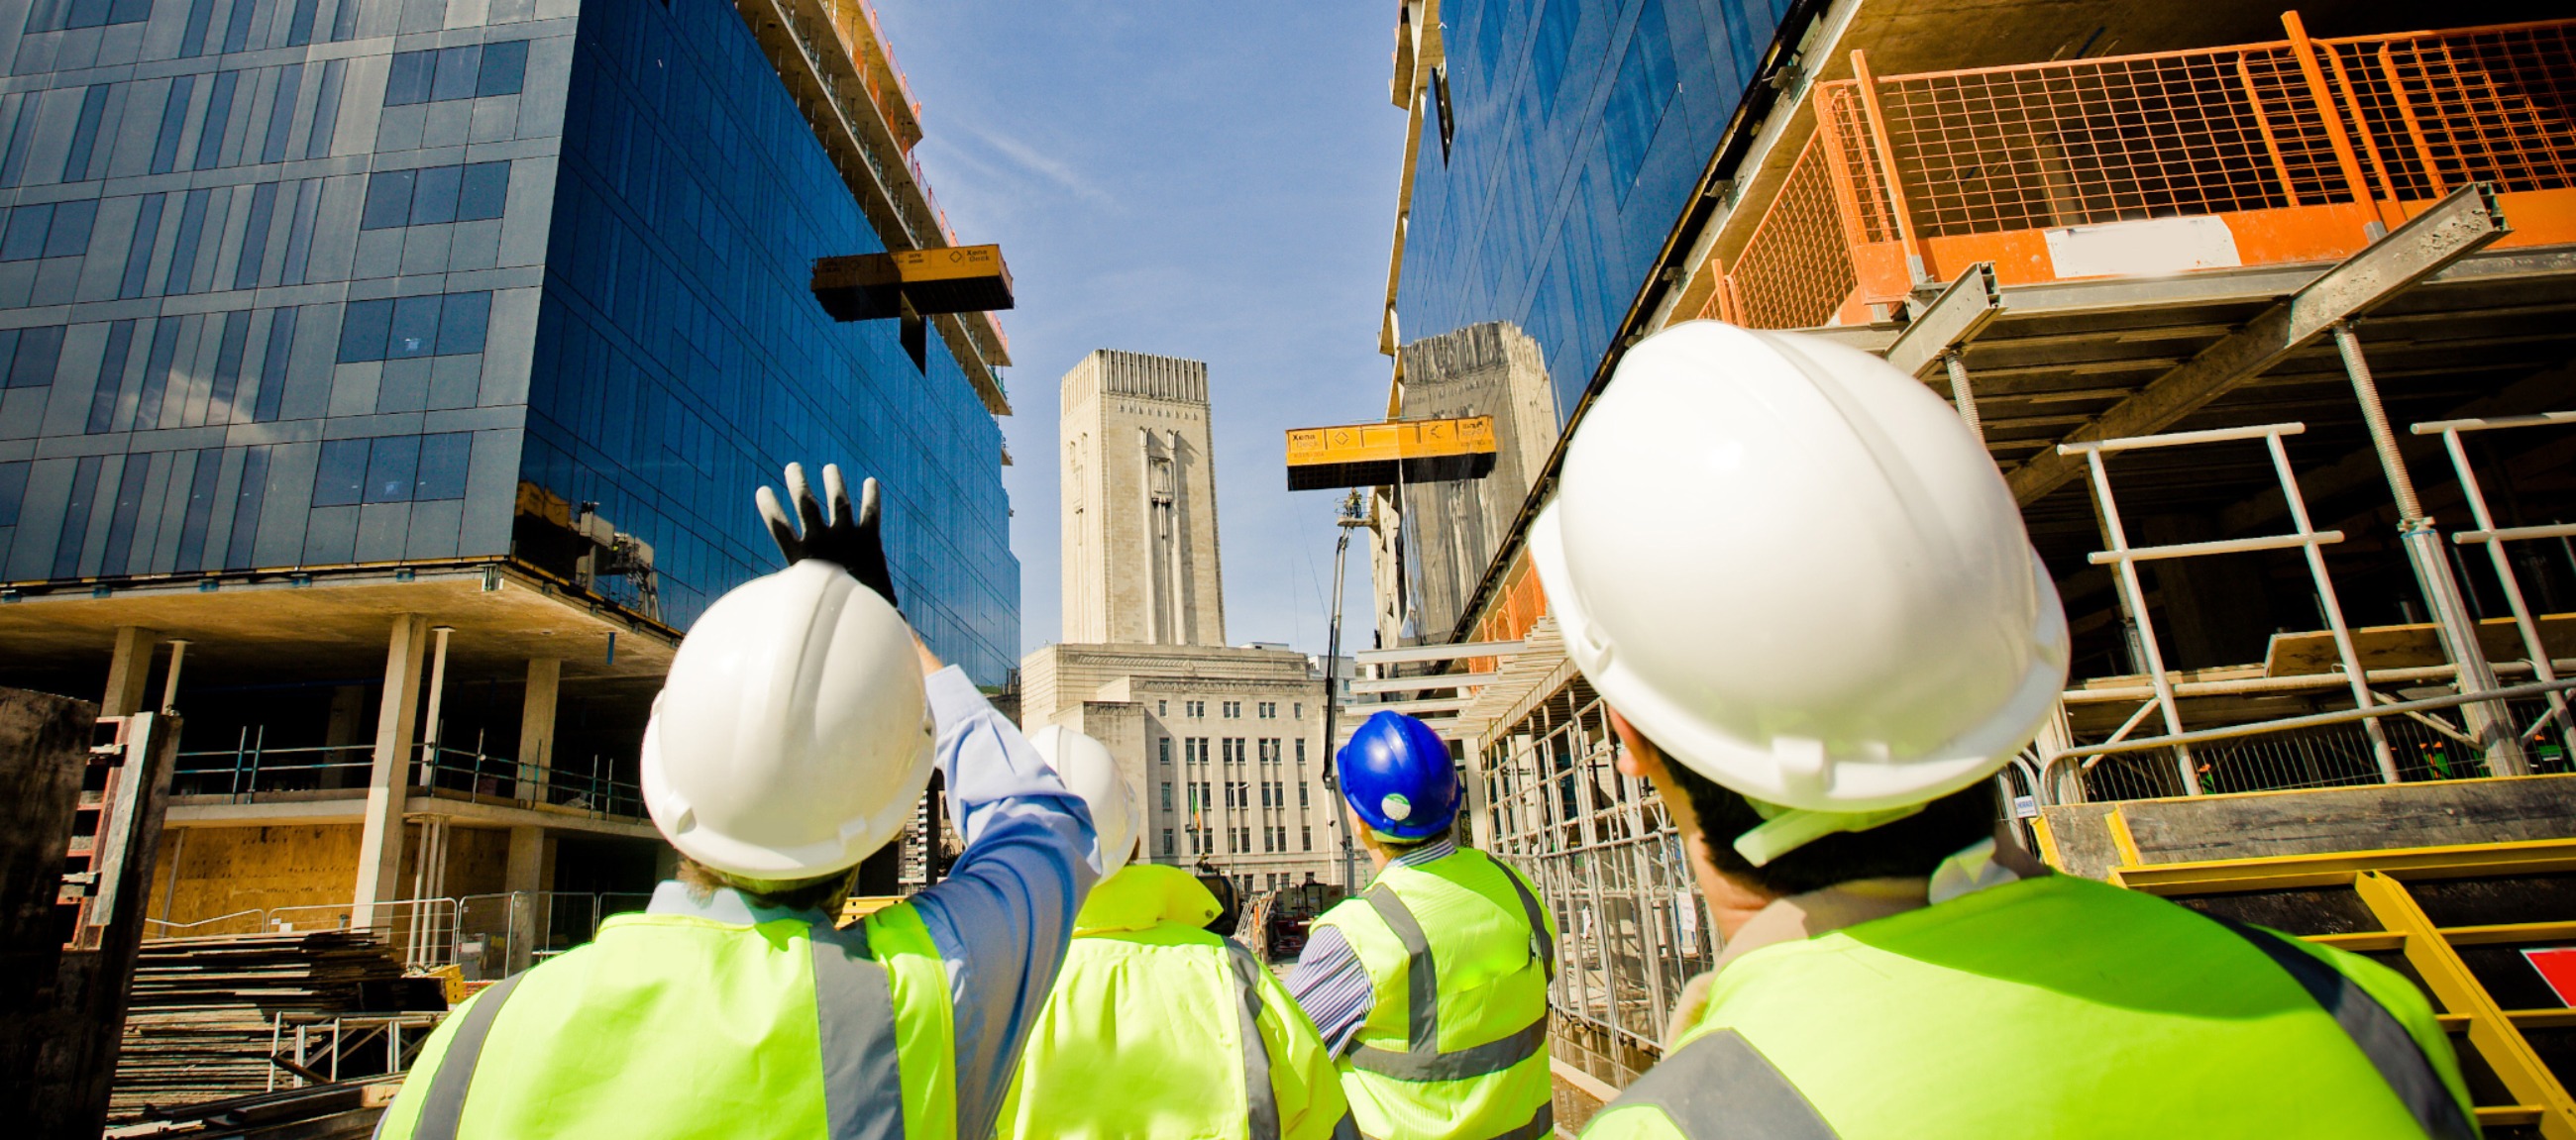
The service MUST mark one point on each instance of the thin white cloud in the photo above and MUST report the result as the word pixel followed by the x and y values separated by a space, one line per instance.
pixel 1036 161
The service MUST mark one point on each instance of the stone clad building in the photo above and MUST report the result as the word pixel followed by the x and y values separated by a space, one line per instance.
pixel 1226 742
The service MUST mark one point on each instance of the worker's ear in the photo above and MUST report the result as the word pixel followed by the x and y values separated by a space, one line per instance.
pixel 1638 756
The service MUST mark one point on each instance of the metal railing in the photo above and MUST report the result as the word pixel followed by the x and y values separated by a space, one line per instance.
pixel 252 768
pixel 2315 751
pixel 1909 178
pixel 1605 856
pixel 489 934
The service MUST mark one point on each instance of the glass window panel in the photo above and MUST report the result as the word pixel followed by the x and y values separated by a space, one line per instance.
pixel 388 200
pixel 174 117
pixel 272 366
pixel 364 326
pixel 26 236
pixel 393 465
pixel 219 118
pixel 433 195
pixel 505 68
pixel 415 327
pixel 38 351
pixel 130 12
pixel 299 28
pixel 13 489
pixel 76 164
pixel 342 476
pixel 87 14
pixel 460 329
pixel 409 81
pixel 443 460
pixel 485 191
pixel 458 68
pixel 246 504
pixel 111 377
pixel 69 235
pixel 281 108
pixel 200 14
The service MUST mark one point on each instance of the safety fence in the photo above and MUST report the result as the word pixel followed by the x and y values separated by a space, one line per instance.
pixel 1605 856
pixel 2316 751
pixel 486 935
pixel 252 768
pixel 2293 150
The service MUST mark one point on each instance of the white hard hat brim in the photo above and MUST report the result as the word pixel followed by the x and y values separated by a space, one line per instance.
pixel 1793 772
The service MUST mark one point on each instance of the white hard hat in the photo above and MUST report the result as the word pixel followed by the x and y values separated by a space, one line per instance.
pixel 792 737
pixel 1089 771
pixel 1793 568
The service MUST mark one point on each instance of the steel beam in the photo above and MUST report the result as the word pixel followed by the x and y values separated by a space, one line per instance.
pixel 2461 224
pixel 1435 681
pixel 1953 319
pixel 1449 652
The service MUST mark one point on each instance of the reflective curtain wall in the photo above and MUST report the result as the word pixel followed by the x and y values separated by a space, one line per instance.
pixel 681 359
pixel 1581 128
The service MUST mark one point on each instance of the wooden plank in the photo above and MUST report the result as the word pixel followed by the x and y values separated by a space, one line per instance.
pixel 2269 825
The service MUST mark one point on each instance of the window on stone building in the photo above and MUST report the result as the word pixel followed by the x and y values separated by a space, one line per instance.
pixel 1167 795
pixel 1167 842
pixel 1163 750
pixel 1308 837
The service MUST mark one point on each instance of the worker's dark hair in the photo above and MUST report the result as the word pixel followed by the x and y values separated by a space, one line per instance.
pixel 822 892
pixel 1908 848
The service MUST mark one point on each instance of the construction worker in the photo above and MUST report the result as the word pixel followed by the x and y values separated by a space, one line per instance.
pixel 1156 1027
pixel 1431 985
pixel 1805 594
pixel 793 737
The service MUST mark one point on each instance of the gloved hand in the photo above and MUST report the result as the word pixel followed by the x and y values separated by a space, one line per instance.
pixel 833 532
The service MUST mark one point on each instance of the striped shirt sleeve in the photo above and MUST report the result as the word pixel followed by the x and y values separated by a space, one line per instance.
pixel 1332 987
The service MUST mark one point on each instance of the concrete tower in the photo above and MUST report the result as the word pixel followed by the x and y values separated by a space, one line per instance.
pixel 1139 477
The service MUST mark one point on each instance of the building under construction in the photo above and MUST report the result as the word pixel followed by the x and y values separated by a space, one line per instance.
pixel 2264 315
pixel 385 386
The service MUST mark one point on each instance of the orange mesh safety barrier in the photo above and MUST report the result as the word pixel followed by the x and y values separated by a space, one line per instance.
pixel 2298 145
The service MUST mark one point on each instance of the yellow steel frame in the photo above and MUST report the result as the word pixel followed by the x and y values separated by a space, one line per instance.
pixel 2379 879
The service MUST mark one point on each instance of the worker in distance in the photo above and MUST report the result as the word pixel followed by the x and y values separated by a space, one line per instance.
pixel 1430 985
pixel 1804 592
pixel 793 737
pixel 1158 1028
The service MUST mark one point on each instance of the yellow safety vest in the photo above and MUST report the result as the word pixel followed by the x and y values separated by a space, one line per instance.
pixel 1158 1028
pixel 2052 1007
pixel 1459 954
pixel 676 1026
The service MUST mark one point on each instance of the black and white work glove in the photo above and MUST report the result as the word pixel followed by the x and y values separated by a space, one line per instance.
pixel 832 531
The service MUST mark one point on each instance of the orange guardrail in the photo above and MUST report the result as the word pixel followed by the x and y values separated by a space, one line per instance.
pixel 2251 154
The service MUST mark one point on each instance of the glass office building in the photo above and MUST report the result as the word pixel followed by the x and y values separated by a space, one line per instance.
pixel 1576 132
pixel 297 284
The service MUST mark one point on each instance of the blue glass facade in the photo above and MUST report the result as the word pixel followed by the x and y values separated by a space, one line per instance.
pixel 1581 128
pixel 289 284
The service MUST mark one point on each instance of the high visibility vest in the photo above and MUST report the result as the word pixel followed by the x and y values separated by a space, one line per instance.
pixel 1459 955
pixel 1158 1028
pixel 2051 1007
pixel 674 1026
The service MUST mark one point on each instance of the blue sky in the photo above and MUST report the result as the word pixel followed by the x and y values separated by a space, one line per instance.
pixel 1184 177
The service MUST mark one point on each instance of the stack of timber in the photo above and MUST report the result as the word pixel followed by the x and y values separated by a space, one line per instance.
pixel 322 1112
pixel 198 1028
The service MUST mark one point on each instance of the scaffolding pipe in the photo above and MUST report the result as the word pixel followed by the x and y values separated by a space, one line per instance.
pixel 2493 538
pixel 2490 721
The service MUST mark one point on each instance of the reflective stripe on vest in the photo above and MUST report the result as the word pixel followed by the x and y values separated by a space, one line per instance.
pixel 862 1080
pixel 2376 1031
pixel 1260 1098
pixel 445 1104
pixel 1720 1085
pixel 862 1083
pixel 1422 1060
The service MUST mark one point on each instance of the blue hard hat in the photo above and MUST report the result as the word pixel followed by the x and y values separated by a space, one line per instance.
pixel 1397 775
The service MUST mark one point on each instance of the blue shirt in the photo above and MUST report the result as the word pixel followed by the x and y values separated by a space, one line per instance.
pixel 1003 916
pixel 1329 982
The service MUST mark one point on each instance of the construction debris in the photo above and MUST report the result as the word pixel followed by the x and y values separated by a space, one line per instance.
pixel 202 1024
pixel 323 1112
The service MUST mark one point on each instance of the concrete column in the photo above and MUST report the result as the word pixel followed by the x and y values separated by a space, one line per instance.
pixel 429 733
pixel 170 684
pixel 381 841
pixel 128 670
pixel 525 880
pixel 537 728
